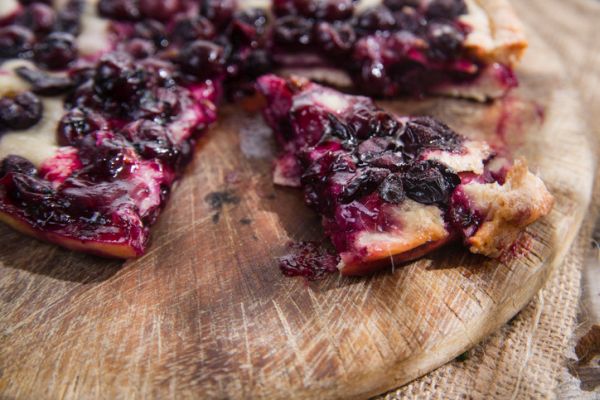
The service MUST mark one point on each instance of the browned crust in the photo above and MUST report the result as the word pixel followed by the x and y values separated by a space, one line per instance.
pixel 519 202
pixel 499 39
pixel 111 250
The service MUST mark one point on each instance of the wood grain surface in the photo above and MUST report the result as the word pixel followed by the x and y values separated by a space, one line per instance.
pixel 206 312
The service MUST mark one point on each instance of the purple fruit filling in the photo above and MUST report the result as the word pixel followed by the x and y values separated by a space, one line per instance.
pixel 355 162
pixel 133 114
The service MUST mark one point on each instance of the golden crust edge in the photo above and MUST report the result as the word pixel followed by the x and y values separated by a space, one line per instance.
pixel 527 201
pixel 504 41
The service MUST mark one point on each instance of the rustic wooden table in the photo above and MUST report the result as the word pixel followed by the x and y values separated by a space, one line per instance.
pixel 573 28
pixel 168 324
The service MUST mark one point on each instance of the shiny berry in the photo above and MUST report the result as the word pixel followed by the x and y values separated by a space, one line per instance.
pixel 429 182
pixel 423 133
pixel 363 183
pixel 76 124
pixel 202 59
pixel 444 40
pixel 20 112
pixel 248 25
pixel 119 9
pixel 116 78
pixel 38 17
pixel 318 9
pixel 336 38
pixel 410 20
pixel 16 164
pixel 104 159
pixel 15 41
pixel 219 12
pixel 292 30
pixel 392 189
pixel 446 9
pixel 159 9
pixel 376 19
pixel 153 31
pixel 399 4
pixel 190 28
pixel 43 83
pixel 30 190
pixel 56 51
pixel 151 140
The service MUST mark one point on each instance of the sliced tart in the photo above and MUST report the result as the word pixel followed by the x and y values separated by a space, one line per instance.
pixel 389 188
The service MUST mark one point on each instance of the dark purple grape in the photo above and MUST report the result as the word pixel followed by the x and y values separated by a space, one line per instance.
pixel 383 124
pixel 343 162
pixel 248 25
pixel 159 9
pixel 376 19
pixel 363 183
pixel 119 9
pixel 17 164
pixel 335 38
pixel 78 123
pixel 116 78
pixel 202 59
pixel 160 105
pixel 151 140
pixel 56 51
pixel 410 20
pixel 399 4
pixel 446 9
pixel 28 2
pixel 103 160
pixel 20 112
pixel 43 83
pixel 335 10
pixel 153 31
pixel 219 12
pixel 392 189
pixel 139 48
pixel 389 159
pixel 334 128
pixel 30 190
pixel 38 17
pixel 292 30
pixel 373 78
pixel 330 10
pixel 445 41
pixel 158 73
pixel 256 63
pixel 15 41
pixel 190 28
pixel 427 133
pixel 429 182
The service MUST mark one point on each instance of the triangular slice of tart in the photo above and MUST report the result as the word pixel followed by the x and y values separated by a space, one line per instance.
pixel 390 188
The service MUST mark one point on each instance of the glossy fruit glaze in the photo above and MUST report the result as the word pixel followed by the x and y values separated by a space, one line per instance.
pixel 134 110
pixel 355 161
pixel 129 127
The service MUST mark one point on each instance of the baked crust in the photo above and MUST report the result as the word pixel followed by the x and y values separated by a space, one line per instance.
pixel 498 34
pixel 497 37
pixel 104 249
pixel 521 200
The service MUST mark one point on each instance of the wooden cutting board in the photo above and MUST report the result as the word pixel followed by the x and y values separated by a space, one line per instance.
pixel 206 312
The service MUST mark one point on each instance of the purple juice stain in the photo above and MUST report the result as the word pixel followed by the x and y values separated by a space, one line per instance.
pixel 309 260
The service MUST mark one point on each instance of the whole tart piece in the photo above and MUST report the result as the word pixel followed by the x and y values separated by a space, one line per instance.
pixel 463 48
pixel 390 188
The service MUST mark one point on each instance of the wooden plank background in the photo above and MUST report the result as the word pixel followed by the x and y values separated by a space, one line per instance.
pixel 206 311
